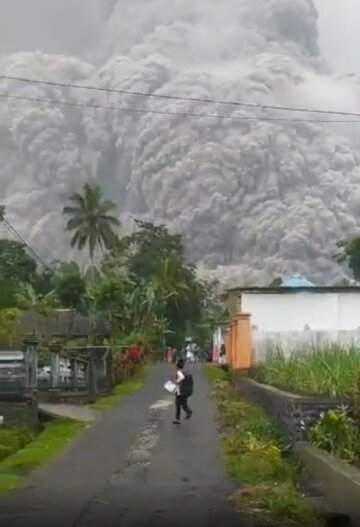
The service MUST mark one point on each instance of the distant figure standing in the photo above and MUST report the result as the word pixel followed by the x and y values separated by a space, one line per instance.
pixel 190 354
pixel 184 390
pixel 222 356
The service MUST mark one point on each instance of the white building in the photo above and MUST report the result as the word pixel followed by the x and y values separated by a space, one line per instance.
pixel 294 317
pixel 219 336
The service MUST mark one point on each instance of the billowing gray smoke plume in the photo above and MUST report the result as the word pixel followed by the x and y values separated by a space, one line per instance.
pixel 255 198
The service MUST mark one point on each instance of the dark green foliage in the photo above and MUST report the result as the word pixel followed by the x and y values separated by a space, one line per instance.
pixel 143 284
pixel 337 433
pixel 349 252
pixel 69 285
pixel 16 267
pixel 149 245
pixel 148 278
pixel 15 264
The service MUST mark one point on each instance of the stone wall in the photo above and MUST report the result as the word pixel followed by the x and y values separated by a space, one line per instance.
pixel 292 413
pixel 338 481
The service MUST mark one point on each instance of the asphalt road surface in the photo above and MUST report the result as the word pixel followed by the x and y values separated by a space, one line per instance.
pixel 133 467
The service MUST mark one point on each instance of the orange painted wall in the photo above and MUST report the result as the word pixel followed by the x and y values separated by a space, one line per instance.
pixel 238 343
pixel 227 346
pixel 242 357
pixel 234 346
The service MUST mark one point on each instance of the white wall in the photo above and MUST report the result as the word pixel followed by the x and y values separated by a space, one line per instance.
pixel 289 312
pixel 218 341
pixel 295 321
pixel 304 341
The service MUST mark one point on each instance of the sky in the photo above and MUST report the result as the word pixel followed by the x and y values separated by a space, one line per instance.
pixel 339 33
pixel 44 23
pixel 52 26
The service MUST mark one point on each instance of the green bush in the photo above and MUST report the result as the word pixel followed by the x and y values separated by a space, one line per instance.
pixel 337 433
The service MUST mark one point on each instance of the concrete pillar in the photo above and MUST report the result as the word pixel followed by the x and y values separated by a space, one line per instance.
pixel 55 351
pixel 74 372
pixel 109 370
pixel 242 359
pixel 227 345
pixel 31 361
pixel 92 377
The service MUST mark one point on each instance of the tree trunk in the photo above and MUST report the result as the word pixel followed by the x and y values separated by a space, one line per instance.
pixel 92 302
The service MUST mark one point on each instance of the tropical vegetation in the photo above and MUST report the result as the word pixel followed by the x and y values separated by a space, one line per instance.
pixel 144 285
pixel 141 283
pixel 349 253
pixel 331 370
pixel 256 458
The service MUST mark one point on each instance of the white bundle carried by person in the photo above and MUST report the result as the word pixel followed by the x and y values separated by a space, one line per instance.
pixel 170 387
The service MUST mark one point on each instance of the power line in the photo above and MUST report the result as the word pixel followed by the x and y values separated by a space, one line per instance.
pixel 177 114
pixel 13 232
pixel 34 254
pixel 180 98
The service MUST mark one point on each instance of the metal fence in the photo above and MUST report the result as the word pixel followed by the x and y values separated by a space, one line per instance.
pixel 87 370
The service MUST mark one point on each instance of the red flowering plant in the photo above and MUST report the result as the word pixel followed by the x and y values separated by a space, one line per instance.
pixel 128 361
pixel 135 354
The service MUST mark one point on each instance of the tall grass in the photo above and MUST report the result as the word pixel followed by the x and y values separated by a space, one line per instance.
pixel 329 370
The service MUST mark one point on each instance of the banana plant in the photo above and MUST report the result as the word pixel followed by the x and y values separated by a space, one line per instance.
pixel 39 306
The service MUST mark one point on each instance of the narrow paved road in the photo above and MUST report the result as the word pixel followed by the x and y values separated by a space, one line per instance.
pixel 133 467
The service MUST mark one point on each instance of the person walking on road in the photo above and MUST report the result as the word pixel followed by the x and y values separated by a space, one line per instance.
pixel 184 390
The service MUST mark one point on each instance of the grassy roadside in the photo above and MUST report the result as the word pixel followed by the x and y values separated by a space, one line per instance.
pixel 56 435
pixel 253 454
pixel 24 449
pixel 120 391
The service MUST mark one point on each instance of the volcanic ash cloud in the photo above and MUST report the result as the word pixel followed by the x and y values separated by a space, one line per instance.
pixel 271 196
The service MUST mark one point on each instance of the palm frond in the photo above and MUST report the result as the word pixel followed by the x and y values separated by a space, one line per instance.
pixel 107 206
pixel 77 198
pixel 74 223
pixel 111 220
pixel 71 210
pixel 79 239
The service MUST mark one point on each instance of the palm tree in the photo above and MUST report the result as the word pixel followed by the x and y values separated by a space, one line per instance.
pixel 91 221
